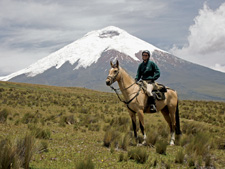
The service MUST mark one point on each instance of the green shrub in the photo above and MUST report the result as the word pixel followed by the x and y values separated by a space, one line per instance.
pixel 3 115
pixel 125 141
pixel 85 164
pixel 112 148
pixel 94 127
pixel 41 133
pixel 16 156
pixel 193 128
pixel 121 157
pixel 191 162
pixel 138 154
pixel 152 137
pixel 86 120
pixel 179 158
pixel 8 156
pixel 43 147
pixel 25 150
pixel 185 139
pixel 199 145
pixel 84 110
pixel 70 119
pixel 153 163
pixel 163 131
pixel 28 118
pixel 111 136
pixel 161 146
pixel 66 120
pixel 121 123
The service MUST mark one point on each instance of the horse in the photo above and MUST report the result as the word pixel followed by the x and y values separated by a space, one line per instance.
pixel 136 99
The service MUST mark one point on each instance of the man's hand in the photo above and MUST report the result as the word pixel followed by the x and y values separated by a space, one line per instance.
pixel 136 80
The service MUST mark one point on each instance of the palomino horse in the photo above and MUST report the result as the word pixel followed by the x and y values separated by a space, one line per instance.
pixel 136 100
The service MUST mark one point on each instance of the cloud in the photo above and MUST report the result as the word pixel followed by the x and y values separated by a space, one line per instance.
pixel 17 59
pixel 206 42
pixel 30 30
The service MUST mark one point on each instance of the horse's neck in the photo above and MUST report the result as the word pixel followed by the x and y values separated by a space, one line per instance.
pixel 124 83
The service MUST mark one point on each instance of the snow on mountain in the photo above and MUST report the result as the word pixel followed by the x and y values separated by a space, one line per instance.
pixel 88 50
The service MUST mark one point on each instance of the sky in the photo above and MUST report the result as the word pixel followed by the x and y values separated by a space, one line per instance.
pixel 193 30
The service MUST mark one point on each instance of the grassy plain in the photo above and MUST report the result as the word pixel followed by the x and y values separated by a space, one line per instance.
pixel 63 127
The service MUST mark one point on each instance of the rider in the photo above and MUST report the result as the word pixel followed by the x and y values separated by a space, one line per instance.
pixel 148 71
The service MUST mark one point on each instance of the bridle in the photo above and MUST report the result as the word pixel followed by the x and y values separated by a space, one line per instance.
pixel 113 78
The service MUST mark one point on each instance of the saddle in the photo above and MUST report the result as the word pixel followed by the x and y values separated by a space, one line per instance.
pixel 158 91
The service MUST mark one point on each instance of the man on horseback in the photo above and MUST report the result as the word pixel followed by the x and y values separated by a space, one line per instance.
pixel 148 71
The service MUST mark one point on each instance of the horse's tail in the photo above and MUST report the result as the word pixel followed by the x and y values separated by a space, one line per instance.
pixel 178 131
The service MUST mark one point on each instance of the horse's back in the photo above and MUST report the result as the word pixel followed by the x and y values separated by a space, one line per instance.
pixel 171 97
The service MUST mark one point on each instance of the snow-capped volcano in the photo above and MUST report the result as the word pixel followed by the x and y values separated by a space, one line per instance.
pixel 85 63
pixel 88 50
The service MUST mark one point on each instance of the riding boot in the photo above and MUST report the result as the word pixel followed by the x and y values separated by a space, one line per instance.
pixel 152 104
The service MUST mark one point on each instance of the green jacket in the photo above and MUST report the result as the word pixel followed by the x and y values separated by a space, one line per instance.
pixel 148 71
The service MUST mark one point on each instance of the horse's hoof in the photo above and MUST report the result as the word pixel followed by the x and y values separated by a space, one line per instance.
pixel 139 145
pixel 172 144
pixel 143 143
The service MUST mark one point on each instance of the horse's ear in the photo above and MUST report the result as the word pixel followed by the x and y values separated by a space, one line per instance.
pixel 111 63
pixel 117 63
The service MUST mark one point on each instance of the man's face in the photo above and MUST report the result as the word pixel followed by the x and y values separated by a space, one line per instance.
pixel 145 57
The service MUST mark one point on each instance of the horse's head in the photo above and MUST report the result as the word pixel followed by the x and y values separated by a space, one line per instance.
pixel 113 73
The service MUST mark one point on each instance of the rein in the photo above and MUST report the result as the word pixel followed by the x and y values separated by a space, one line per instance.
pixel 115 90
pixel 127 102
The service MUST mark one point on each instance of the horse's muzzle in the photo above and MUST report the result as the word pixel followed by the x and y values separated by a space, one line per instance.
pixel 108 83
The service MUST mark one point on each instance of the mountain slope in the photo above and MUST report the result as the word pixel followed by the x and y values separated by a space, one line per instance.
pixel 85 63
pixel 87 50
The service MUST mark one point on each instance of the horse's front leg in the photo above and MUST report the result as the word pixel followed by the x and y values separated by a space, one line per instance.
pixel 133 119
pixel 141 121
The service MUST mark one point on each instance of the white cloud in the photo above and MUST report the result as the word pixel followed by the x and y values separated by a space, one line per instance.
pixel 30 30
pixel 206 42
pixel 17 59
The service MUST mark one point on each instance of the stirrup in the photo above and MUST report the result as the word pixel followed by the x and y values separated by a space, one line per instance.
pixel 153 108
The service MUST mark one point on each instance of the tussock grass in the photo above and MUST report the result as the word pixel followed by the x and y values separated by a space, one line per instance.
pixel 121 123
pixel 199 145
pixel 43 146
pixel 40 133
pixel 161 146
pixel 85 164
pixel 138 154
pixel 125 141
pixel 111 136
pixel 4 114
pixel 121 157
pixel 29 118
pixel 25 149
pixel 8 155
pixel 16 156
pixel 152 137
pixel 179 158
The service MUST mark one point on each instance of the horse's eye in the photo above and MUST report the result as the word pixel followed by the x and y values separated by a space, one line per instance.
pixel 115 71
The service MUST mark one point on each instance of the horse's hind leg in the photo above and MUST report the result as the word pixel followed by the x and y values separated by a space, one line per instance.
pixel 166 114
pixel 172 111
